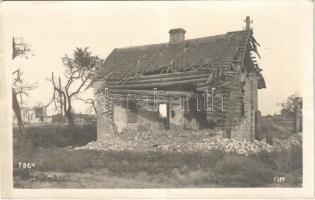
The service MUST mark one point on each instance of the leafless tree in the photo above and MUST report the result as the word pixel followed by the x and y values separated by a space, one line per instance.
pixel 22 49
pixel 79 70
pixel 21 87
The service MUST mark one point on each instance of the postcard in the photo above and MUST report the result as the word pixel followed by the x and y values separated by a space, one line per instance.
pixel 157 99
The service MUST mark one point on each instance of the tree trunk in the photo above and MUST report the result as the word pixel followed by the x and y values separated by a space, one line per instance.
pixel 17 110
pixel 60 97
pixel 94 107
pixel 69 115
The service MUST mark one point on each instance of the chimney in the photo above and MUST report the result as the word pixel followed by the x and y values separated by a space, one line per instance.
pixel 177 35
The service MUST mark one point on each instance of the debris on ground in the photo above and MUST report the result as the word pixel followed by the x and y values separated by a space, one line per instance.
pixel 199 141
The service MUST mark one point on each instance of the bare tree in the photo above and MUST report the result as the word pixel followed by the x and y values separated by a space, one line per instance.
pixel 57 98
pixel 79 70
pixel 21 87
pixel 22 49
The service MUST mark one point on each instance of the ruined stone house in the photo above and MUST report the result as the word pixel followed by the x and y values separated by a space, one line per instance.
pixel 203 83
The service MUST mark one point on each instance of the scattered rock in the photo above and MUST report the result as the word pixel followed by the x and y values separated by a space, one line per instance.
pixel 160 141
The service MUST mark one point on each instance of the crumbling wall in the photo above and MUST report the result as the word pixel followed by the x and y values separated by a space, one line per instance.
pixel 120 118
pixel 181 119
pixel 176 116
pixel 178 119
pixel 246 129
pixel 104 118
pixel 147 120
pixel 111 121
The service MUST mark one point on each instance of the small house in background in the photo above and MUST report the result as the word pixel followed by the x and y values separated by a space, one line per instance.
pixel 32 115
pixel 203 83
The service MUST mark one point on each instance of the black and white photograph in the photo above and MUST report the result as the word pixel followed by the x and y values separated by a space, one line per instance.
pixel 158 95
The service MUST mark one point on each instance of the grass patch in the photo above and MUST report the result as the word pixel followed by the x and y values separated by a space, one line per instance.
pixel 58 135
pixel 57 159
pixel 240 171
pixel 198 169
pixel 203 168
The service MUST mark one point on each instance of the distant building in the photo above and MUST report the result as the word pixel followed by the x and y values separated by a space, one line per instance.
pixel 32 115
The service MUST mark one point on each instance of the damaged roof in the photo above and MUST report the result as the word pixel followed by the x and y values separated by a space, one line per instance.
pixel 218 51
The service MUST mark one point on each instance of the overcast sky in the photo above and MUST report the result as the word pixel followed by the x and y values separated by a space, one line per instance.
pixel 283 28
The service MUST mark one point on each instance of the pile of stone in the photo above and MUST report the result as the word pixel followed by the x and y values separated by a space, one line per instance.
pixel 145 142
pixel 219 143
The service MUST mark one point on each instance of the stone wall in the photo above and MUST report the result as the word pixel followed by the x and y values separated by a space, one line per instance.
pixel 246 129
pixel 111 121
pixel 116 120
pixel 147 120
pixel 104 121
pixel 120 119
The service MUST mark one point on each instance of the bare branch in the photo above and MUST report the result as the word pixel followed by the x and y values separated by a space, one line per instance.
pixel 79 88
pixel 51 100
pixel 78 71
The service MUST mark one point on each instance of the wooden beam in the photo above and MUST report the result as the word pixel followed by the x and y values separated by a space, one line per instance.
pixel 148 92
pixel 150 100
pixel 169 75
pixel 156 85
pixel 162 79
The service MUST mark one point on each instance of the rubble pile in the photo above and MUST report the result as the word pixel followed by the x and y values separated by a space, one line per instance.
pixel 196 143
pixel 227 145
pixel 293 140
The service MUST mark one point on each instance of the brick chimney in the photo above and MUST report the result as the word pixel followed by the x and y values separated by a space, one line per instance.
pixel 177 35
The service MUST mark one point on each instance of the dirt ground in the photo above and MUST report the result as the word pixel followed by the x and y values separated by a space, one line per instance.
pixel 94 179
